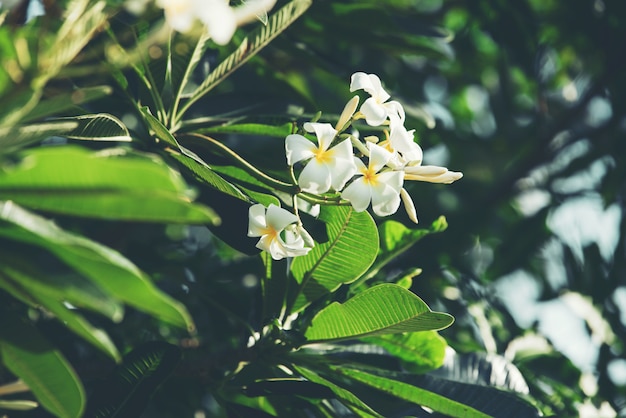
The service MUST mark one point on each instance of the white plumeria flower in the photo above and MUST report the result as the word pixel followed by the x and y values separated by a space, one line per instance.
pixel 220 19
pixel 279 236
pixel 376 109
pixel 382 189
pixel 403 142
pixel 327 167
pixel 179 14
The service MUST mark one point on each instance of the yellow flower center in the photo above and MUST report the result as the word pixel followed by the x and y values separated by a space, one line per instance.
pixel 324 156
pixel 370 176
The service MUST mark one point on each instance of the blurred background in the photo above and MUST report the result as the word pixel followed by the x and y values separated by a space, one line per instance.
pixel 527 99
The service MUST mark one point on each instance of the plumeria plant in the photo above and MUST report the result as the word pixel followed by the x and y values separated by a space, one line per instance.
pixel 105 133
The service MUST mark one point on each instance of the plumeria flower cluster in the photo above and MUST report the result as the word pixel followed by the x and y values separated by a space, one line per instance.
pixel 219 18
pixel 364 172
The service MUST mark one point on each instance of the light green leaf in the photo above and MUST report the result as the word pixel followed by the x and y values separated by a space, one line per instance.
pixel 98 127
pixel 50 377
pixel 419 352
pixel 345 396
pixel 351 248
pixel 383 309
pixel 15 137
pixel 251 44
pixel 105 267
pixel 112 184
pixel 412 393
pixel 65 101
pixel 251 129
pixel 158 129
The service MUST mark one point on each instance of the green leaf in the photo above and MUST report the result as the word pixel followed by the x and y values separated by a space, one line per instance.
pixel 346 397
pixel 383 309
pixel 66 101
pixel 50 377
pixel 205 174
pixel 159 130
pixel 16 137
pixel 105 267
pixel 250 45
pixel 28 282
pixel 98 127
pixel 127 391
pixel 251 129
pixel 395 239
pixel 412 393
pixel 351 248
pixel 111 184
pixel 419 352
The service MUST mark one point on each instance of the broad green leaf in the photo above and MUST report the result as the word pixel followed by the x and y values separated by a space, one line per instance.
pixel 351 248
pixel 250 45
pixel 98 127
pixel 412 393
pixel 29 356
pixel 419 352
pixel 15 137
pixel 252 129
pixel 111 184
pixel 65 101
pixel 345 396
pixel 105 267
pixel 383 309
pixel 127 391
pixel 395 239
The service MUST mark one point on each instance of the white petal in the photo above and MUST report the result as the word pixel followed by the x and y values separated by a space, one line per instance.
pixel 298 148
pixel 408 205
pixel 219 19
pixel 315 178
pixel 386 194
pixel 256 220
pixel 379 156
pixel 375 114
pixel 426 170
pixel 348 112
pixel 324 131
pixel 359 194
pixel 249 10
pixel 371 84
pixel 395 109
pixel 341 171
pixel 279 218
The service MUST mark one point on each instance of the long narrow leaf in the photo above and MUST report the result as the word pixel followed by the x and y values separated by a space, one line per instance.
pixel 46 372
pixel 252 44
pixel 105 267
pixel 412 393
pixel 98 127
pixel 345 396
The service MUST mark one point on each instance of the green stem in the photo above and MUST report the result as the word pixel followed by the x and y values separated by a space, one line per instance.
pixel 252 170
